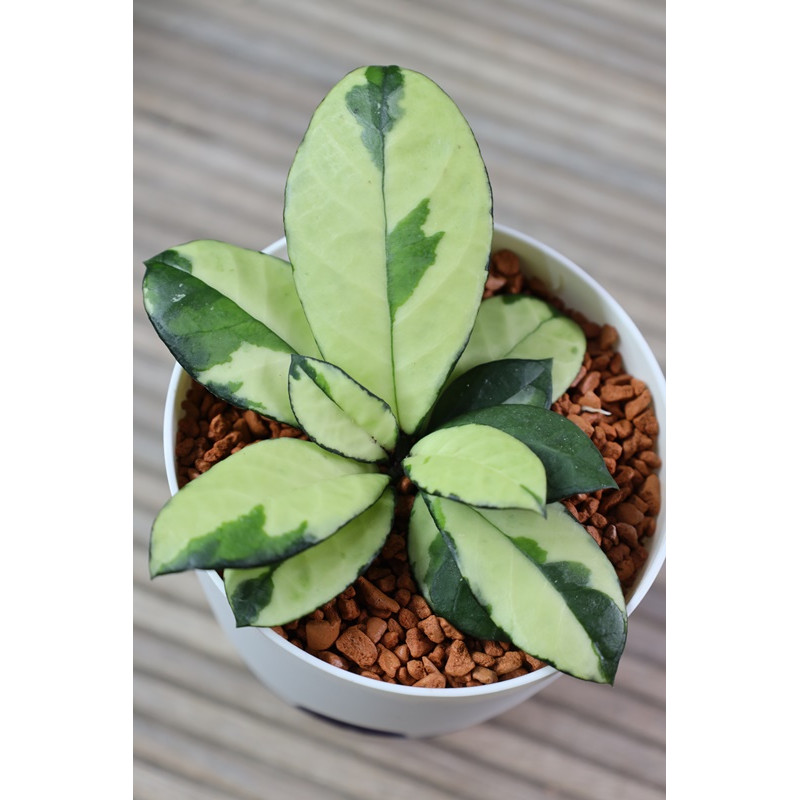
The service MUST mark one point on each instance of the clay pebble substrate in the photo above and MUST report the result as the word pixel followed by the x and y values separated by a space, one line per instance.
pixel 381 627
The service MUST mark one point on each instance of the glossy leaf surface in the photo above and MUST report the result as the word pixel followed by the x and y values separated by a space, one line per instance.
pixel 544 581
pixel 388 220
pixel 479 465
pixel 268 501
pixel 338 413
pixel 232 319
pixel 518 326
pixel 508 381
pixel 571 461
pixel 440 580
pixel 289 589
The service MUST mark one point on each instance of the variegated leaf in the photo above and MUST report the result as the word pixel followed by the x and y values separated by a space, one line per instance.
pixel 439 579
pixel 510 381
pixel 338 413
pixel 289 589
pixel 232 319
pixel 544 581
pixel 479 465
pixel 571 460
pixel 268 501
pixel 384 254
pixel 517 326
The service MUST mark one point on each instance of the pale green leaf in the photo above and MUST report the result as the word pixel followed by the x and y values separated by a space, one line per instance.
pixel 518 326
pixel 260 284
pixel 571 459
pixel 544 581
pixel 338 413
pixel 232 318
pixel 289 589
pixel 270 500
pixel 439 579
pixel 479 465
pixel 388 226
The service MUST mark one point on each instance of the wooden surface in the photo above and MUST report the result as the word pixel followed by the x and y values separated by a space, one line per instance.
pixel 566 98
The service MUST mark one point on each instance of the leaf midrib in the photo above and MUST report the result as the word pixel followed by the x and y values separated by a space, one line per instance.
pixel 384 118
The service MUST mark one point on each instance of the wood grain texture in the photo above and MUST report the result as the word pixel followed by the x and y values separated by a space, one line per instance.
pixel 566 98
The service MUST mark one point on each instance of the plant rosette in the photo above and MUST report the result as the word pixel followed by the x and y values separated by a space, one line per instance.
pixel 368 333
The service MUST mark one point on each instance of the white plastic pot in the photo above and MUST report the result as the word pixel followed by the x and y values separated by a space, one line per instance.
pixel 309 683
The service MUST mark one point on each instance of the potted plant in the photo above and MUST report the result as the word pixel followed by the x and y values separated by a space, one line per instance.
pixel 373 340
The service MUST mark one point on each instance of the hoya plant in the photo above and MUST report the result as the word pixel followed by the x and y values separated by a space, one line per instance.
pixel 373 339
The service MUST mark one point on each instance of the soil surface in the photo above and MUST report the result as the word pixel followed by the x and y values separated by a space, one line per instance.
pixel 381 626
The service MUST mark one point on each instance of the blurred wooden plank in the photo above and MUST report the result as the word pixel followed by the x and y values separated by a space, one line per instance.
pixel 646 639
pixel 644 678
pixel 515 84
pixel 588 740
pixel 549 766
pixel 204 763
pixel 150 782
pixel 642 35
pixel 189 625
pixel 620 711
pixel 150 493
pixel 648 15
pixel 299 756
pixel 217 683
pixel 148 454
pixel 654 604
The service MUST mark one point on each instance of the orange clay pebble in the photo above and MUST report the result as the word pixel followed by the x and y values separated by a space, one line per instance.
pixel 375 628
pixel 418 643
pixel 334 659
pixel 407 618
pixel 418 605
pixel 358 647
pixel 533 662
pixel 483 659
pixel 321 634
pixel 431 627
pixel 517 673
pixel 493 649
pixel 388 661
pixel 377 600
pixel 415 669
pixel 509 662
pixel 389 639
pixel 450 630
pixel 437 656
pixel 459 661
pixel 484 675
pixel 402 652
pixel 432 679
pixel 435 680
pixel 403 677
pixel 651 494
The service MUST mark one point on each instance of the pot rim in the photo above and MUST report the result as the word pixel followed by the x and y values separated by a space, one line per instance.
pixel 651 570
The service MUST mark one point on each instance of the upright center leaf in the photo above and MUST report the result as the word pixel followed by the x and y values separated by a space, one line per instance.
pixel 388 226
pixel 409 253
pixel 375 104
